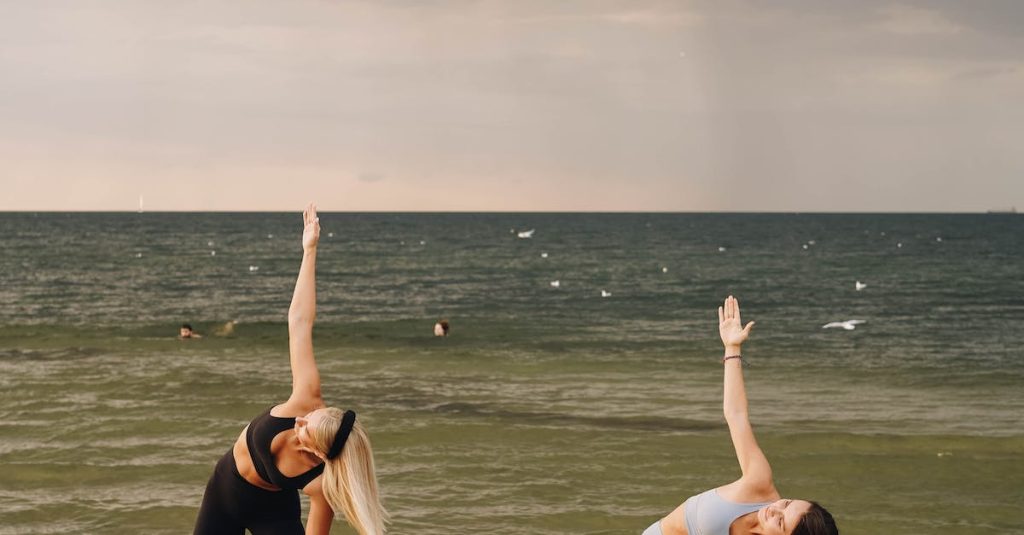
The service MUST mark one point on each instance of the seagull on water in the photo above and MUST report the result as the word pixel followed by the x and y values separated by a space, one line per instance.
pixel 859 285
pixel 605 294
pixel 526 234
pixel 555 284
pixel 849 325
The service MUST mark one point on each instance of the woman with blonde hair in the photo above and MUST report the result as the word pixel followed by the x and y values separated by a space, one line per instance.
pixel 298 444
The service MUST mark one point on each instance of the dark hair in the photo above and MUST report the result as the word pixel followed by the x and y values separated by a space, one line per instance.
pixel 816 521
pixel 186 326
pixel 444 325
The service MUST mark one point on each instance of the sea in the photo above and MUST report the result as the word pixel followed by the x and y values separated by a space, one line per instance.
pixel 593 407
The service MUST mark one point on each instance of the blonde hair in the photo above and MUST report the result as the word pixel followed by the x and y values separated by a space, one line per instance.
pixel 350 480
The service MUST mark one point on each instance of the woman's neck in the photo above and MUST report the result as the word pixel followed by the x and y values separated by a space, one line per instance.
pixel 746 525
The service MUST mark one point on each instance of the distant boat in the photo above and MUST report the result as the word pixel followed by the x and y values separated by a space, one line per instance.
pixel 1010 210
pixel 140 204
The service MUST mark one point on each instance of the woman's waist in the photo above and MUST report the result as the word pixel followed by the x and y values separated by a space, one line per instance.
pixel 245 469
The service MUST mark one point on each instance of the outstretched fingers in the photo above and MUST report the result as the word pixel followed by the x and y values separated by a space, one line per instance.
pixel 309 215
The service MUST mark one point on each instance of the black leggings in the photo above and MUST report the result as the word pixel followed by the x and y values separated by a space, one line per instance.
pixel 231 505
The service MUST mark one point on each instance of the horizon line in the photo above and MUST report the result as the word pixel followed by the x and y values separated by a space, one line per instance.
pixel 1008 211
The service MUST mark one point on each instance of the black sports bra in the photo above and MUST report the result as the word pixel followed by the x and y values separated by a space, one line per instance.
pixel 258 437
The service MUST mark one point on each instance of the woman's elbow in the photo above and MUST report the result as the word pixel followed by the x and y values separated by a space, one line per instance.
pixel 736 415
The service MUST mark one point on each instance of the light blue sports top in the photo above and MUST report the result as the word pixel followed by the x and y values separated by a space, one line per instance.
pixel 709 514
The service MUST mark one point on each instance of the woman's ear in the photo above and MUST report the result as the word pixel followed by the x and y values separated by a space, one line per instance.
pixel 314 452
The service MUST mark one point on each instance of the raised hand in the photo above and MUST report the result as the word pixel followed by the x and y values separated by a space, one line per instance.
pixel 310 227
pixel 729 325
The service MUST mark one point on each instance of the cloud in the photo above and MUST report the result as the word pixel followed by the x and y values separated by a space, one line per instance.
pixel 655 17
pixel 984 73
pixel 910 20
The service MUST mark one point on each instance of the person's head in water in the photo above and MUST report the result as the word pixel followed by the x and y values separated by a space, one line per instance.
pixel 441 328
pixel 350 480
pixel 186 331
pixel 795 517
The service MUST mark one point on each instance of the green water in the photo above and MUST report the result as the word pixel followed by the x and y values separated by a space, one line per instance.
pixel 548 411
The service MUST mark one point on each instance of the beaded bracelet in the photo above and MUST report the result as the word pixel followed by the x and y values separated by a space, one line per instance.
pixel 732 357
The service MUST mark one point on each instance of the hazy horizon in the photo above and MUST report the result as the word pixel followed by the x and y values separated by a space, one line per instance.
pixel 577 106
pixel 992 211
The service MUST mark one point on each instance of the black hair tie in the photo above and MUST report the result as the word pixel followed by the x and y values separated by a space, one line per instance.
pixel 347 422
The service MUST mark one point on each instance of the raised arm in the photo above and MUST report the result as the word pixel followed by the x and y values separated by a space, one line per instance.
pixel 301 315
pixel 757 473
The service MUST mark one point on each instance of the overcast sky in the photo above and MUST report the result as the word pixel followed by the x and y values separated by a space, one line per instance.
pixel 512 105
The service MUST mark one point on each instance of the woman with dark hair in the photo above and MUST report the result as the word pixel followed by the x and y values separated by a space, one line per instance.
pixel 749 505
pixel 299 444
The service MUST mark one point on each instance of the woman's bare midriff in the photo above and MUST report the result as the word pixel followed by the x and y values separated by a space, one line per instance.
pixel 244 463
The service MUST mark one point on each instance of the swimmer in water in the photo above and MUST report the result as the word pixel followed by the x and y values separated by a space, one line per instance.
pixel 441 328
pixel 300 443
pixel 750 505
pixel 186 332
pixel 228 329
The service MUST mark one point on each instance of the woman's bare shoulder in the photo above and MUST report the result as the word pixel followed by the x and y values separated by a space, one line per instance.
pixel 314 488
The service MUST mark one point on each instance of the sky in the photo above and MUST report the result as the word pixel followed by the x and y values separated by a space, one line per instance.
pixel 517 105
